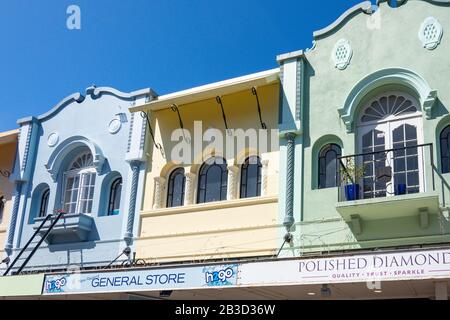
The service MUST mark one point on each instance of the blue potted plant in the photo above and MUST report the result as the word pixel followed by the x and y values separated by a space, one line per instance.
pixel 351 174
pixel 400 189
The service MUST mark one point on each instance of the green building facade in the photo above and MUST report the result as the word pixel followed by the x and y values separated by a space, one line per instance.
pixel 364 121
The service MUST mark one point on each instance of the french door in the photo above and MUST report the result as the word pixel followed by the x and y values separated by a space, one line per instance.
pixel 395 172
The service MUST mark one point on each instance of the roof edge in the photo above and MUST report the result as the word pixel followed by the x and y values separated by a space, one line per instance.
pixel 365 7
pixel 94 92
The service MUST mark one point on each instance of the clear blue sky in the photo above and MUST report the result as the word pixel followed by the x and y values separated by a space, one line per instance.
pixel 167 45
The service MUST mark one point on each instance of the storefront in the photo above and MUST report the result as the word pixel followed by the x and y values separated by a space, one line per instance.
pixel 423 274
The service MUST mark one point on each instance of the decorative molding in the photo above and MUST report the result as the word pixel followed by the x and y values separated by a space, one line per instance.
pixel 390 76
pixel 135 168
pixel 233 172
pixel 143 132
pixel 430 33
pixel 264 177
pixel 13 219
pixel 299 88
pixel 64 148
pixel 365 7
pixel 190 187
pixel 95 93
pixel 52 139
pixel 217 205
pixel 429 103
pixel 342 54
pixel 290 159
pixel 160 184
pixel 114 126
pixel 130 133
pixel 98 92
pixel 27 146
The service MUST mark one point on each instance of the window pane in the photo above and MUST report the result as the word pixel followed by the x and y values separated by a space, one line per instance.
pixel 251 178
pixel 328 165
pixel 175 196
pixel 213 181
pixel 445 150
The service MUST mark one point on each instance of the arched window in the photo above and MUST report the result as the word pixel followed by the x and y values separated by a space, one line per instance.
pixel 212 182
pixel 114 197
pixel 44 203
pixel 2 208
pixel 445 149
pixel 328 169
pixel 175 194
pixel 251 177
pixel 79 185
pixel 390 121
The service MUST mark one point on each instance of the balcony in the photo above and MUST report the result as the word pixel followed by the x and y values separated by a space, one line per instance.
pixel 387 184
pixel 70 228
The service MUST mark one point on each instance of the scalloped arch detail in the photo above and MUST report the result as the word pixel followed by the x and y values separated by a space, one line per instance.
pixel 403 77
pixel 59 155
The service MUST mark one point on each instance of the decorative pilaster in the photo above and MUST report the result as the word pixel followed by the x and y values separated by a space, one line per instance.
pixel 232 182
pixel 264 177
pixel 190 187
pixel 135 168
pixel 159 192
pixel 14 214
pixel 289 217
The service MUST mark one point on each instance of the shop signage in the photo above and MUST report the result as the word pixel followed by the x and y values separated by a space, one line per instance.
pixel 357 268
pixel 434 264
pixel 142 280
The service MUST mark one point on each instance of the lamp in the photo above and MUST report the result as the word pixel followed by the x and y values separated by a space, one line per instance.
pixel 325 291
pixel 165 293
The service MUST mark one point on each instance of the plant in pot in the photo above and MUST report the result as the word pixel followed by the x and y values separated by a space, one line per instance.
pixel 350 175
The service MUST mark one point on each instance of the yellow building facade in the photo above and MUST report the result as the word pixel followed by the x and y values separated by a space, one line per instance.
pixel 193 224
pixel 8 145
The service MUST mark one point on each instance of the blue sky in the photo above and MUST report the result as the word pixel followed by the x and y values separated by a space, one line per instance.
pixel 167 45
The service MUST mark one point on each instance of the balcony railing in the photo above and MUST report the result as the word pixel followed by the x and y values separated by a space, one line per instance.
pixel 386 173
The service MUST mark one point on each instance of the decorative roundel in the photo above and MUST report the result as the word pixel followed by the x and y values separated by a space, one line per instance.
pixel 342 54
pixel 52 139
pixel 114 126
pixel 430 33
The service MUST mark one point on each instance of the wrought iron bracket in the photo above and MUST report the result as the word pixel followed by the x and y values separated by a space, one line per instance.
pixel 255 93
pixel 219 101
pixel 174 108
pixel 157 145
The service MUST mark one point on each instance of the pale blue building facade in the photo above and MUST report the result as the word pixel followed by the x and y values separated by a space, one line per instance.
pixel 85 157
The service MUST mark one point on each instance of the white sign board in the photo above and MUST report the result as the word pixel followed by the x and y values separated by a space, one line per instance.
pixel 357 268
pixel 142 280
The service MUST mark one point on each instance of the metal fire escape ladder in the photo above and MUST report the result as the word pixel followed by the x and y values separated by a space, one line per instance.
pixel 52 225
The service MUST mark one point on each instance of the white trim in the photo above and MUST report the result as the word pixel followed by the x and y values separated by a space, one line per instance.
pixel 210 90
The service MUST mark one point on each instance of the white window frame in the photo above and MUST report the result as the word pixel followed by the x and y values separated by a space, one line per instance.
pixel 388 125
pixel 82 174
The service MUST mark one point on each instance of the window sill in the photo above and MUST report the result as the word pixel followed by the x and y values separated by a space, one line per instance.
pixel 210 206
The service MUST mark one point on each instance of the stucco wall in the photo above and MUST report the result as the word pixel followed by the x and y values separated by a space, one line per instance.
pixel 86 120
pixel 229 228
pixel 390 42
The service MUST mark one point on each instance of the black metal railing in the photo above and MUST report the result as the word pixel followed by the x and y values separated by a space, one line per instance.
pixel 58 214
pixel 385 173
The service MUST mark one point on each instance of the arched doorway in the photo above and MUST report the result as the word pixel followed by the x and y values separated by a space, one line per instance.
pixel 389 129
